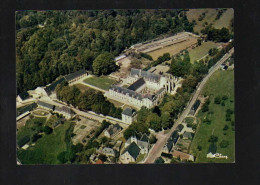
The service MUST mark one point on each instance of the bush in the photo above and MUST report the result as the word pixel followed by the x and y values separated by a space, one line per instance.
pixel 47 130
pixel 199 147
pixel 35 137
pixel 23 141
pixel 224 97
pixel 152 140
pixel 217 100
pixel 194 126
pixel 223 103
pixel 225 127
pixel 224 144
pixel 189 125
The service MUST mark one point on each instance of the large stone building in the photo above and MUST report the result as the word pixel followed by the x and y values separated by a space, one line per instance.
pixel 146 89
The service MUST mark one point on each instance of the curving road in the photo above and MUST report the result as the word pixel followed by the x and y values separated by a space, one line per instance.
pixel 162 138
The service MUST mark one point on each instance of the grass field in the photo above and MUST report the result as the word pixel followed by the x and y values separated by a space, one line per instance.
pixel 82 87
pixel 47 148
pixel 225 19
pixel 221 83
pixel 202 50
pixel 102 82
pixel 173 49
pixel 211 13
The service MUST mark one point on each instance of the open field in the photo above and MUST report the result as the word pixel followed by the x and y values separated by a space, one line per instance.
pixel 82 87
pixel 225 19
pixel 211 13
pixel 202 50
pixel 47 148
pixel 173 49
pixel 221 83
pixel 102 82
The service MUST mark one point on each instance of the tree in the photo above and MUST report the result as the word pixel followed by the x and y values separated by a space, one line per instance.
pixel 217 100
pixel 152 139
pixel 104 64
pixel 225 127
pixel 154 121
pixel 47 130
pixel 199 147
pixel 224 144
pixel 213 139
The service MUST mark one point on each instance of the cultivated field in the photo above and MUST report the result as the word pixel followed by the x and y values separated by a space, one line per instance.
pixel 102 82
pixel 173 49
pixel 202 50
pixel 47 148
pixel 221 83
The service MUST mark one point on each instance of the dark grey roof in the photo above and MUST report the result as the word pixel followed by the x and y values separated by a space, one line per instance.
pixel 64 109
pixel 133 150
pixel 127 91
pixel 137 84
pixel 196 105
pixel 24 95
pixel 179 128
pixel 75 74
pixel 159 160
pixel 212 148
pixel 128 112
pixel 52 87
pixel 25 109
pixel 146 74
pixel 44 104
pixel 144 138
pixel 188 135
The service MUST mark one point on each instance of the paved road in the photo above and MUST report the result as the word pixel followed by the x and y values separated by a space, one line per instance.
pixel 157 149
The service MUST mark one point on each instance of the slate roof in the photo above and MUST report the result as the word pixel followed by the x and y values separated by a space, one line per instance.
pixel 133 150
pixel 196 105
pixel 44 104
pixel 127 91
pixel 179 128
pixel 172 140
pixel 128 112
pixel 159 160
pixel 25 109
pixel 136 84
pixel 146 74
pixel 75 74
pixel 24 95
pixel 107 150
pixel 64 109
pixel 144 138
pixel 53 85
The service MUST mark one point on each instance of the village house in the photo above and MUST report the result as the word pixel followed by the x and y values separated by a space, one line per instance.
pixel 25 111
pixel 171 142
pixel 188 135
pixel 109 152
pixel 65 111
pixel 182 156
pixel 143 143
pixel 128 115
pixel 130 154
pixel 112 130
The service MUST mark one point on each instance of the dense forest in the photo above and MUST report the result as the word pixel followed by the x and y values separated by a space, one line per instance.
pixel 54 43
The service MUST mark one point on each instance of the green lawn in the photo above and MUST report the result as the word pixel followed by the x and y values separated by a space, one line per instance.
pixel 46 148
pixel 202 50
pixel 221 83
pixel 102 82
pixel 140 158
pixel 31 127
pixel 189 120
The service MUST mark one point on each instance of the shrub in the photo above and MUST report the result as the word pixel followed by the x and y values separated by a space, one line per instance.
pixel 213 139
pixel 224 97
pixel 223 103
pixel 217 100
pixel 225 127
pixel 152 140
pixel 189 125
pixel 224 144
pixel 35 137
pixel 47 130
pixel 199 147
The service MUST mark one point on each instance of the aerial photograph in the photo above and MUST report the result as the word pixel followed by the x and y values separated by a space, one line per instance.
pixel 119 86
